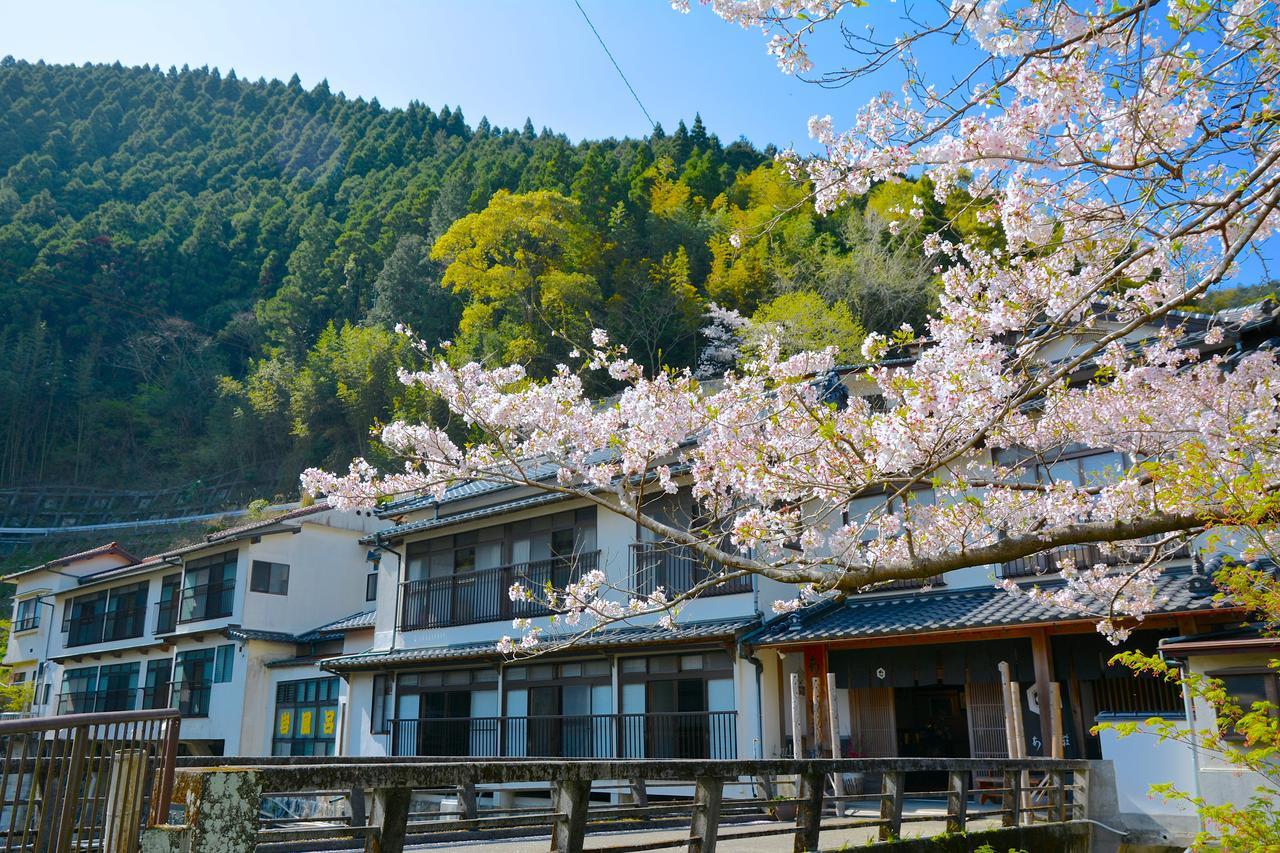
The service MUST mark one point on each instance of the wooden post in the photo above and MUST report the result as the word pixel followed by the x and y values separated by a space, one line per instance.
pixel 833 714
pixel 467 800
pixel 1055 721
pixel 1044 675
pixel 1011 802
pixel 571 817
pixel 70 792
pixel 1057 792
pixel 390 816
pixel 1006 684
pixel 891 805
pixel 797 740
pixel 123 819
pixel 809 815
pixel 708 792
pixel 957 799
pixel 356 799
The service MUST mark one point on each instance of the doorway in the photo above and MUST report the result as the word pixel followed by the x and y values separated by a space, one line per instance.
pixel 932 723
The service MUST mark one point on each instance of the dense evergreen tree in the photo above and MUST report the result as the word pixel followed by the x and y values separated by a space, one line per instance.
pixel 199 274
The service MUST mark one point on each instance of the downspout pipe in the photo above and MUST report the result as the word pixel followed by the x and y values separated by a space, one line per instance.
pixel 395 622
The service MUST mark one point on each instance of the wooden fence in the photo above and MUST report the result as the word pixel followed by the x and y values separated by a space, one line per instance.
pixel 783 798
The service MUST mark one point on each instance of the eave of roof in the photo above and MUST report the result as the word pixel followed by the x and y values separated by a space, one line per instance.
pixel 399 530
pixel 943 612
pixel 602 639
pixel 99 551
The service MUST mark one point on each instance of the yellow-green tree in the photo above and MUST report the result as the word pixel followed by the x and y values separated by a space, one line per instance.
pixel 804 321
pixel 526 264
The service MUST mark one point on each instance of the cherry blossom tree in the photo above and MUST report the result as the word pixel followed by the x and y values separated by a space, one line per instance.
pixel 1130 157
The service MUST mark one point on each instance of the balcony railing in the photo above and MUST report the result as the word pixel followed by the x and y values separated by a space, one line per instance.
pixel 481 596
pixel 28 623
pixel 167 615
pixel 191 700
pixel 692 734
pixel 677 570
pixel 1080 556
pixel 84 630
pixel 123 623
pixel 123 699
pixel 206 601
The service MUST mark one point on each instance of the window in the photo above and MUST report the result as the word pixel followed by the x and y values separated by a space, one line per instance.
pixel 224 664
pixel 1244 689
pixel 192 682
pixel 83 619
pixel 380 714
pixel 155 690
pixel 306 721
pixel 371 587
pixel 269 577
pixel 126 612
pixel 92 689
pixel 208 589
pixel 170 597
pixel 26 616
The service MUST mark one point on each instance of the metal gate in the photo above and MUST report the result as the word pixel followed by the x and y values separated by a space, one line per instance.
pixel 86 782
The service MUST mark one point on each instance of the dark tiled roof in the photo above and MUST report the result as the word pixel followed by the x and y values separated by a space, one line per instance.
pixel 941 611
pixel 235 632
pixel 355 621
pixel 605 638
pixel 459 517
pixel 261 524
pixel 108 548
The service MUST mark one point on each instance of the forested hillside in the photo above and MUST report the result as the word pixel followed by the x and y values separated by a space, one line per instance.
pixel 201 274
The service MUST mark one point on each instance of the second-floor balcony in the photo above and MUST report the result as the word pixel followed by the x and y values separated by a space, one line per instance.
pixel 677 569
pixel 122 623
pixel 468 598
pixel 123 699
pixel 206 601
pixel 685 734
pixel 1084 557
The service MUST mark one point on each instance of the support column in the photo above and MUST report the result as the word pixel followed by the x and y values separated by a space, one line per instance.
pixel 389 820
pixel 891 805
pixel 957 799
pixel 809 814
pixel 124 800
pixel 705 826
pixel 1044 676
pixel 571 819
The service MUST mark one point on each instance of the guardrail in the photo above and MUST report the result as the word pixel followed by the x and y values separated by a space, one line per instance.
pixel 234 790
pixel 85 782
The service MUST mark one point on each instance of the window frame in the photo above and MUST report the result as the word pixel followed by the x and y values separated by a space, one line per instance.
pixel 275 581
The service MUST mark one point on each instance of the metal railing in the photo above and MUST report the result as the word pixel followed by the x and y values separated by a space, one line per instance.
pixel 1081 556
pixel 715 800
pixel 29 623
pixel 691 734
pixel 86 781
pixel 477 596
pixel 167 615
pixel 123 699
pixel 677 570
pixel 206 601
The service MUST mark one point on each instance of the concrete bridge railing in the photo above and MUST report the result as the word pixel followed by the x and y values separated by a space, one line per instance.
pixel 223 798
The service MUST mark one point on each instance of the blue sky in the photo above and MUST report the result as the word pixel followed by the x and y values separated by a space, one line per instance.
pixel 500 58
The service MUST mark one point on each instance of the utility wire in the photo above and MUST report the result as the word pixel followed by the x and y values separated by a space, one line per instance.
pixel 617 67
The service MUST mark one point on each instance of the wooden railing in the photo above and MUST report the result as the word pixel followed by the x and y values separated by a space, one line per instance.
pixel 705 797
pixel 468 598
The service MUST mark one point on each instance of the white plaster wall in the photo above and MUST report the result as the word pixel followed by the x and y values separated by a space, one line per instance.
pixel 1141 761
pixel 1220 782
